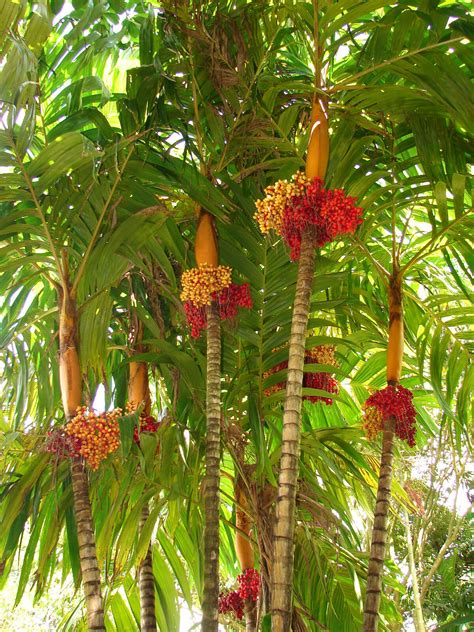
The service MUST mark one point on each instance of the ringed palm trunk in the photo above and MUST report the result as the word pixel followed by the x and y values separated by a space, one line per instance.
pixel 282 579
pixel 71 390
pixel 382 505
pixel 139 393
pixel 146 584
pixel 212 476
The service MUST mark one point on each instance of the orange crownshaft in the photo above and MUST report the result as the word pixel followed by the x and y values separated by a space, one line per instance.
pixel 205 245
pixel 243 544
pixel 395 334
pixel 70 378
pixel 318 146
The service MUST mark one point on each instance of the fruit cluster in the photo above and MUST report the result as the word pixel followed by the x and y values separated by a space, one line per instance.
pixel 199 284
pixel 269 214
pixel 98 435
pixel 146 423
pixel 228 300
pixel 249 588
pixel 290 208
pixel 231 603
pixel 372 421
pixel 249 584
pixel 63 445
pixel 391 401
pixel 322 354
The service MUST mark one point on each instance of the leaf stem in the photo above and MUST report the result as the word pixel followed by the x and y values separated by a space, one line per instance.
pixel 343 84
pixel 429 245
pixel 93 238
pixel 41 214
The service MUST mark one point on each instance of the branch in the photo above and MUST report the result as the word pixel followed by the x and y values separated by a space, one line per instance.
pixel 384 274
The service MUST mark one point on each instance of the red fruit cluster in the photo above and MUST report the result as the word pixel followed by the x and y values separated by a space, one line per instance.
pixel 396 402
pixel 228 300
pixel 63 445
pixel 231 603
pixel 323 354
pixel 330 212
pixel 322 381
pixel 249 584
pixel 98 435
pixel 147 424
pixel 249 588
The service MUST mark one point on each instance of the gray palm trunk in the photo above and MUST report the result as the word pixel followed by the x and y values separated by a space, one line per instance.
pixel 283 559
pixel 87 551
pixel 379 531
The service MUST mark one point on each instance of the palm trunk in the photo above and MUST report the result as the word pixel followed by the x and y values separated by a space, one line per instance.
pixel 382 506
pixel 139 394
pixel 146 584
pixel 250 610
pixel 282 572
pixel 211 481
pixel 379 531
pixel 87 553
pixel 71 390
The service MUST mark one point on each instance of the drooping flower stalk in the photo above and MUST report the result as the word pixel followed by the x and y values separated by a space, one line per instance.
pixel 71 392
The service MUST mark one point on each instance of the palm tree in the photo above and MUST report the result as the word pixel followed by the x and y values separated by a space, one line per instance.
pixel 379 530
pixel 211 480
pixel 70 382
pixel 58 233
pixel 139 394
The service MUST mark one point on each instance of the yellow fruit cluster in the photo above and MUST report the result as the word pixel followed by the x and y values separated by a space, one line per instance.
pixel 270 210
pixel 323 354
pixel 200 283
pixel 372 422
pixel 98 434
